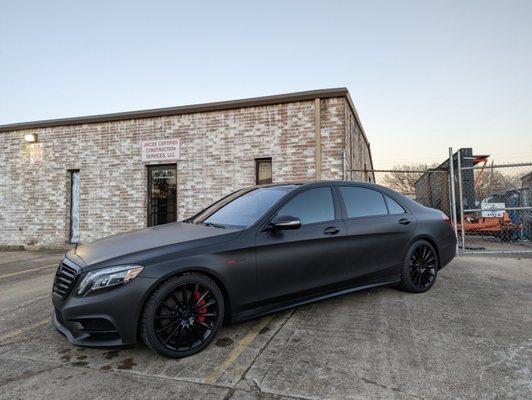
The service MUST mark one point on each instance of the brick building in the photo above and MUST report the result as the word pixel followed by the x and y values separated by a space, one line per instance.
pixel 84 178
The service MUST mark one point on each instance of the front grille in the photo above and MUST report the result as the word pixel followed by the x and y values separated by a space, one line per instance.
pixel 97 325
pixel 64 280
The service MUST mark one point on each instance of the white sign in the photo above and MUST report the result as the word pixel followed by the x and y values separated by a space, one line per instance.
pixel 158 151
pixel 493 210
pixel 35 150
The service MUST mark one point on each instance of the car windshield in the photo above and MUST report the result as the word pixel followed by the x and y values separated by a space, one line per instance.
pixel 242 210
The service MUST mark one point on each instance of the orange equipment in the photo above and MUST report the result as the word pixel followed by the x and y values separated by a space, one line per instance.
pixel 501 227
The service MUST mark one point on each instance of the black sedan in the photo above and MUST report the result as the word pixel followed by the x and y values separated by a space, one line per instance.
pixel 254 252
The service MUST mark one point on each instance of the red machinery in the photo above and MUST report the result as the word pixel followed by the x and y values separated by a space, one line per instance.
pixel 501 227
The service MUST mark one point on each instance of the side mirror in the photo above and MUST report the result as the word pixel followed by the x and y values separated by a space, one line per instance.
pixel 285 222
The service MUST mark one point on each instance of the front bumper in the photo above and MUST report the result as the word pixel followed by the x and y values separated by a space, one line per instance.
pixel 102 320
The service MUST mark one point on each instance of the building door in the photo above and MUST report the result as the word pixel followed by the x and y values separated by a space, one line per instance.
pixel 162 194
pixel 74 206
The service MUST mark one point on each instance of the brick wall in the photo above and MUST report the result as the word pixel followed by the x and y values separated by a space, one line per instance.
pixel 218 151
pixel 357 154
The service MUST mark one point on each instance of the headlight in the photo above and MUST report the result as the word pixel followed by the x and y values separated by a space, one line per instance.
pixel 105 279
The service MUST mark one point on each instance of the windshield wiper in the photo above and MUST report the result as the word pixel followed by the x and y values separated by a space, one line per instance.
pixel 213 225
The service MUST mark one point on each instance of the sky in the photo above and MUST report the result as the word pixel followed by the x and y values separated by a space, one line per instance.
pixel 424 75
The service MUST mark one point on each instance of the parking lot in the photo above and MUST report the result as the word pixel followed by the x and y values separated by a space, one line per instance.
pixel 470 337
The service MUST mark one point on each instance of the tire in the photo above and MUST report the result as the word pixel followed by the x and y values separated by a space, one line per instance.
pixel 420 267
pixel 182 316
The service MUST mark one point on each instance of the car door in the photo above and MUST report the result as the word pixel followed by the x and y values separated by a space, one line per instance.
pixel 291 263
pixel 378 229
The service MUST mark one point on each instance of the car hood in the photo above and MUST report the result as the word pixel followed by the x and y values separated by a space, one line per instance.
pixel 148 239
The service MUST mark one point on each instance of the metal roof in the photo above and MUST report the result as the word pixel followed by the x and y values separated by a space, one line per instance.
pixel 194 108
pixel 187 109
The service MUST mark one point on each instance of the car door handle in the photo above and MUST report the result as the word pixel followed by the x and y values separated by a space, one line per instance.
pixel 331 230
pixel 404 221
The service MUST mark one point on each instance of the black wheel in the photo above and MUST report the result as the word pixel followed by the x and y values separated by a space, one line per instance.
pixel 420 267
pixel 182 316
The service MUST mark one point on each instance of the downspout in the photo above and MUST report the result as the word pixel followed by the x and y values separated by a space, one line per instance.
pixel 317 133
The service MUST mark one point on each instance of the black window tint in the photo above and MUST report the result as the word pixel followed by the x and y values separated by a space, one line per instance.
pixel 362 202
pixel 314 205
pixel 393 206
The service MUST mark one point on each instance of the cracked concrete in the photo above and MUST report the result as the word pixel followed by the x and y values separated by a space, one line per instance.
pixel 468 338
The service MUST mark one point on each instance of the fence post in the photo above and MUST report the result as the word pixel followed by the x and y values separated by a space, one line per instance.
pixel 453 197
pixel 460 198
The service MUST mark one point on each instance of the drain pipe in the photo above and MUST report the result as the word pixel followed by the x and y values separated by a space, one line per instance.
pixel 317 133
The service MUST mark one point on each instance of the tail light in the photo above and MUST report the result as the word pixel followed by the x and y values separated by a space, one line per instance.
pixel 447 220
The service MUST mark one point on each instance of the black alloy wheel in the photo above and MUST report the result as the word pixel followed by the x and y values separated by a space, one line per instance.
pixel 183 315
pixel 420 268
pixel 186 317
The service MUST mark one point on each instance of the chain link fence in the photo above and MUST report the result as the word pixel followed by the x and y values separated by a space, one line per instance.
pixel 495 207
pixel 490 205
pixel 429 187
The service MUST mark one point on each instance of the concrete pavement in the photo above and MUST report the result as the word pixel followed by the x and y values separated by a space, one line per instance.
pixel 469 337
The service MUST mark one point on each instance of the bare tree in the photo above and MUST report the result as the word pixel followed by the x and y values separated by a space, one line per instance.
pixel 490 182
pixel 403 177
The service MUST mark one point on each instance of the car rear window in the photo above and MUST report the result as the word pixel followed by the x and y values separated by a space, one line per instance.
pixel 393 206
pixel 362 202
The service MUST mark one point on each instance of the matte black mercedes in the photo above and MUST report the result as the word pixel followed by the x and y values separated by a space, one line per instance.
pixel 256 251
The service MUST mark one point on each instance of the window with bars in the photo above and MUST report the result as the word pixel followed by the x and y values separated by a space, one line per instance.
pixel 263 171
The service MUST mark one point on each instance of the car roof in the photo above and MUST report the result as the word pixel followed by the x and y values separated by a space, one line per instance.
pixel 321 183
pixel 300 185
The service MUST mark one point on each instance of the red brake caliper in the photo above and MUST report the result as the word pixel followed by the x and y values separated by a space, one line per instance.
pixel 201 310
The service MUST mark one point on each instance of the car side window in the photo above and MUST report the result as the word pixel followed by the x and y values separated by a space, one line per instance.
pixel 314 205
pixel 362 202
pixel 393 206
